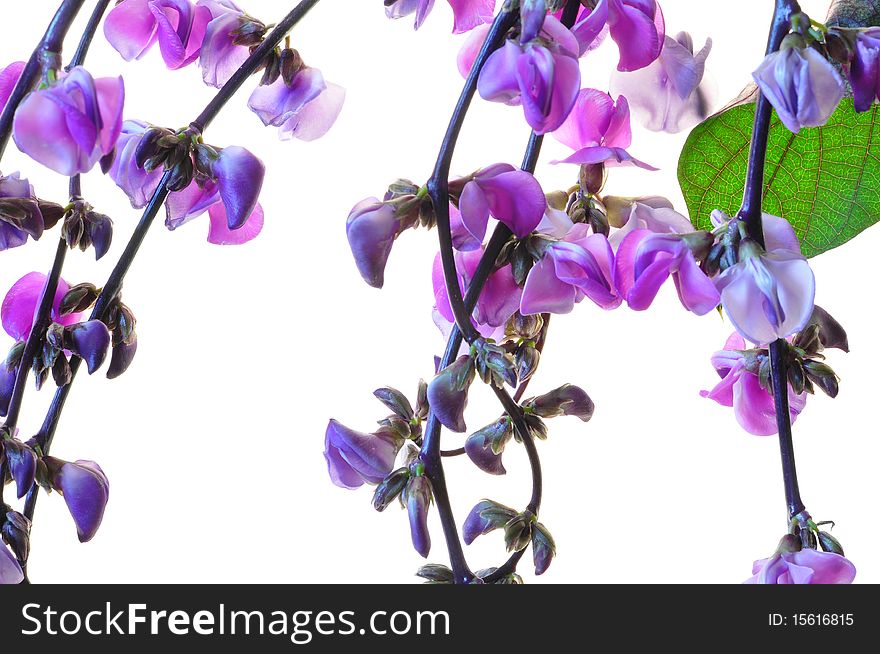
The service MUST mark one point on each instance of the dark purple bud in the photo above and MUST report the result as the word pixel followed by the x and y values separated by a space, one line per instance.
pixel 831 333
pixel 22 462
pixel 389 488
pixel 123 355
pixel 527 360
pixel 822 376
pixel 494 365
pixel 543 548
pixel 485 446
pixel 486 516
pixel 418 497
pixel 434 573
pixel 100 229
pixel 106 162
pixel 422 407
pixel 239 176
pixel 7 384
pixel 448 393
pixel 51 212
pixel 371 229
pixel 90 340
pixel 86 490
pixel 829 543
pixel 396 401
pixel 61 372
pixel 567 400
pixel 78 298
pixel 355 458
pixel 532 15
pixel 16 532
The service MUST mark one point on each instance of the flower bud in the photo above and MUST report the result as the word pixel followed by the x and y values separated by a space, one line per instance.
pixel 484 447
pixel 86 491
pixel 567 400
pixel 22 463
pixel 78 298
pixel 486 516
pixel 448 393
pixel 389 488
pixel 823 376
pixel 435 573
pixel 16 533
pixel 396 401
pixel 417 496
pixel 89 340
pixel 543 548
pixel 829 543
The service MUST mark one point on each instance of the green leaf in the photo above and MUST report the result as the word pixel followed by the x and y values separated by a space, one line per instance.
pixel 825 181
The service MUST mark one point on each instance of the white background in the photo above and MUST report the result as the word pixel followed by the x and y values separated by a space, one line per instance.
pixel 213 439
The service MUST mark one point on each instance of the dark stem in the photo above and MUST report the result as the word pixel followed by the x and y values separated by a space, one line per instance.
pixel 750 213
pixel 51 42
pixel 111 289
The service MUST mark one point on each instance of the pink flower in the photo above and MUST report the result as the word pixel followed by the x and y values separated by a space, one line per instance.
pixel 804 567
pixel 9 77
pixel 740 388
pixel 578 266
pixel 70 125
pixel 194 200
pixel 646 259
pixel 598 129
pixel 635 25
pixel 468 13
pixel 542 74
pixel 512 196
pixel 137 183
pixel 20 305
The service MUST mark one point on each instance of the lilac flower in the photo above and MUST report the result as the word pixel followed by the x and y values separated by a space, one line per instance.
pixel 581 265
pixel 807 566
pixel 70 125
pixel 20 304
pixel 9 77
pixel 462 239
pixel 635 25
pixel 512 196
pixel 448 393
pixel 645 260
pixel 194 200
pixel 91 340
pixel 468 13
pixel 86 490
pixel 598 129
pixel 133 26
pixel 740 388
pixel 15 230
pixel 305 109
pixel 669 94
pixel 417 497
pixel 371 229
pixel 864 71
pixel 10 568
pixel 768 294
pixel 541 74
pixel 802 86
pixel 354 458
pixel 496 304
pixel 220 55
pixel 137 183
pixel 239 176
pixel 652 213
pixel 22 462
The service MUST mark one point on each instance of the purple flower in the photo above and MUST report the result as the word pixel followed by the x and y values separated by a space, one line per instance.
pixel 484 447
pixel 239 176
pixel 123 355
pixel 138 184
pixel 802 86
pixel 70 125
pixel 15 232
pixel 448 393
pixel 669 95
pixel 91 341
pixel 740 388
pixel 581 265
pixel 22 462
pixel 512 196
pixel 9 77
pixel 652 213
pixel 371 229
pixel 194 200
pixel 354 458
pixel 804 567
pixel 306 109
pixel 468 13
pixel 635 25
pixel 645 260
pixel 86 490
pixel 768 294
pixel 220 55
pixel 485 517
pixel 598 129
pixel 10 568
pixel 864 71
pixel 417 497
pixel 133 26
pixel 21 302
pixel 496 304
pixel 542 74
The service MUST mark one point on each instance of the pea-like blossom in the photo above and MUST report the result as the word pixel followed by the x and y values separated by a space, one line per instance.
pixel 542 74
pixel 86 491
pixel 10 569
pixel 20 305
pixel 371 228
pixel 653 213
pixel 355 458
pixel 864 70
pixel 598 130
pixel 22 217
pixel 196 199
pixel 133 26
pixel 9 77
pixel 90 341
pixel 807 566
pixel 510 195
pixel 636 26
pixel 498 301
pixel 304 109
pixel 645 260
pixel 669 95
pixel 740 388
pixel 578 266
pixel 801 84
pixel 417 497
pixel 448 393
pixel 21 461
pixel 468 13
pixel 221 54
pixel 71 124
pixel 137 183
